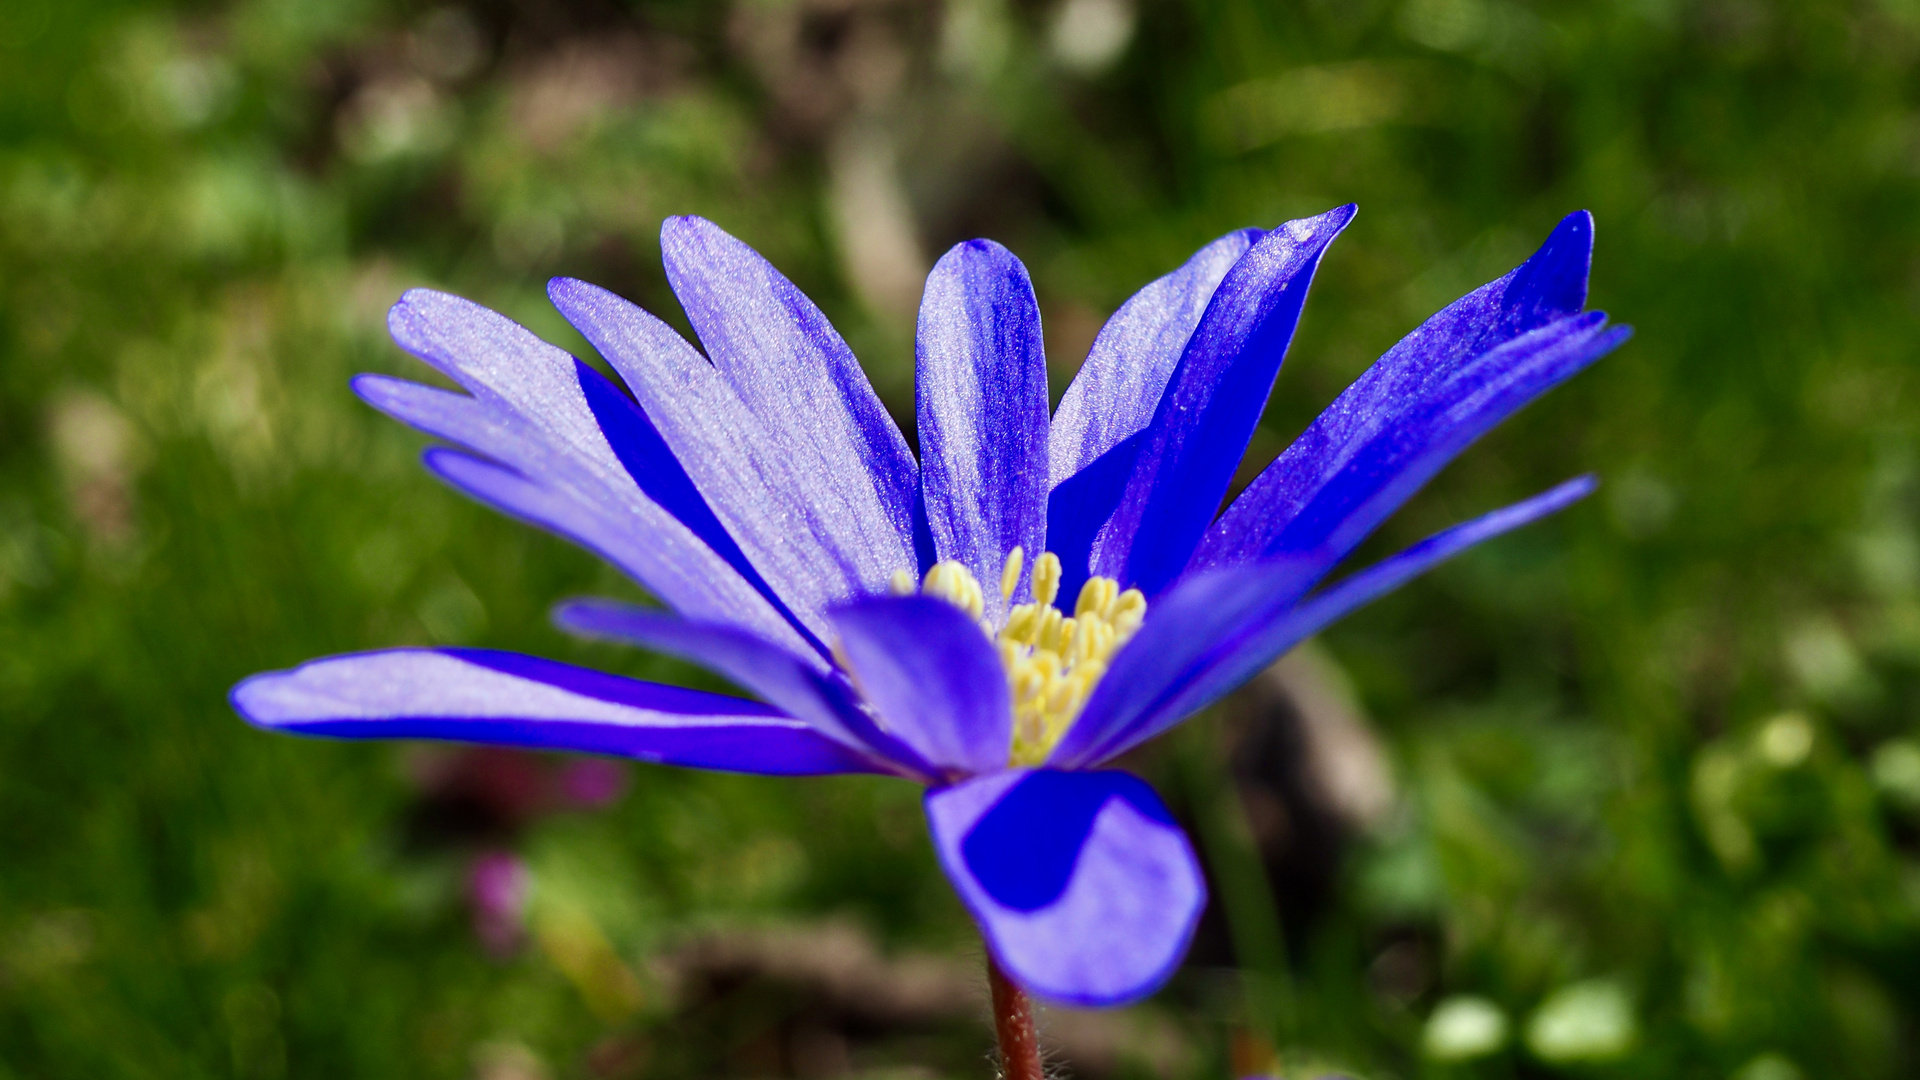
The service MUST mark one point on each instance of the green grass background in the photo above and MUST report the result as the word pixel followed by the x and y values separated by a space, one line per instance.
pixel 205 209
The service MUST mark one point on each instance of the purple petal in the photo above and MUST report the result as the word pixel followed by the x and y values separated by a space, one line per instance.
pixel 930 673
pixel 1460 374
pixel 1085 888
pixel 509 492
pixel 1218 628
pixel 1377 477
pixel 1200 428
pixel 1081 506
pixel 795 524
pixel 1118 388
pixel 577 457
pixel 825 701
pixel 1184 629
pixel 980 392
pixel 793 371
pixel 505 699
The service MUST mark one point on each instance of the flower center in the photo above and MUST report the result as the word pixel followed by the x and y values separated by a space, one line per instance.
pixel 1052 660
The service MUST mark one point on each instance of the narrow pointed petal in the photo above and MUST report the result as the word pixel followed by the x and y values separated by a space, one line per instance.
pixel 932 676
pixel 1460 374
pixel 980 392
pixel 1201 426
pixel 789 682
pixel 795 524
pixel 793 371
pixel 506 699
pixel 1377 477
pixel 1218 628
pixel 1185 628
pixel 511 493
pixel 1086 890
pixel 582 460
pixel 1118 388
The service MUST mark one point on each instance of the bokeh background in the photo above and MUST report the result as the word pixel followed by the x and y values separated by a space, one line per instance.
pixel 1633 793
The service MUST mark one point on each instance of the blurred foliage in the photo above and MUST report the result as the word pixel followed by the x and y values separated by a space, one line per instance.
pixel 1658 775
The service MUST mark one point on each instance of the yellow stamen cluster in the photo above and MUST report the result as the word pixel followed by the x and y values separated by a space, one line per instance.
pixel 1052 659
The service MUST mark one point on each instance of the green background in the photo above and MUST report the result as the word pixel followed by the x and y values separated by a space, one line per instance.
pixel 1656 784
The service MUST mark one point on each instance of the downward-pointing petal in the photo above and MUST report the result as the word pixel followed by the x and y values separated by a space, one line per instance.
pixel 1086 890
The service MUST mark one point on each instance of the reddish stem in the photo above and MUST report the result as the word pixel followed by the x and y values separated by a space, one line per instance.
pixel 1013 1024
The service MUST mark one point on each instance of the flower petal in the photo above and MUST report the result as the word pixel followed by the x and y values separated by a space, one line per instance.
pixel 1380 475
pixel 1200 428
pixel 506 699
pixel 792 370
pixel 1118 388
pixel 824 700
pixel 797 528
pixel 1218 628
pixel 1086 890
pixel 1461 373
pixel 578 458
pixel 980 393
pixel 932 676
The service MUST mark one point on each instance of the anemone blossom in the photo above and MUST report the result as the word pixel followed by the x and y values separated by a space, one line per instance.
pixel 1031 597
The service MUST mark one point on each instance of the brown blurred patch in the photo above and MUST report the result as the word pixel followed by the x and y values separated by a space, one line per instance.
pixel 846 1003
pixel 98 455
pixel 555 94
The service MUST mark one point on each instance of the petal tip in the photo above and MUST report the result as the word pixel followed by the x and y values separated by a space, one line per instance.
pixel 681 223
pixel 239 694
pixel 412 318
pixel 1334 220
pixel 1581 486
pixel 1315 232
pixel 370 388
pixel 570 294
pixel 252 696
pixel 420 299
pixel 683 234
pixel 583 615
pixel 979 251
pixel 437 460
pixel 462 471
pixel 404 316
pixel 1574 236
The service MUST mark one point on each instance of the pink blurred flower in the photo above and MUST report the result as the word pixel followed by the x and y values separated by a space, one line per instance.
pixel 499 885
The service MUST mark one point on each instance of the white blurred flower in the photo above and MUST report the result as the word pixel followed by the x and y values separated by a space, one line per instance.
pixel 1464 1026
pixel 1587 1021
pixel 1090 35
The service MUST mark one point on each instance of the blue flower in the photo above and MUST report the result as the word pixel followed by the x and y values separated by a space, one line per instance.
pixel 763 494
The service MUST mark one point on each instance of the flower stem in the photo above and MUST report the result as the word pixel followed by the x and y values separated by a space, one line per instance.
pixel 1013 1024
